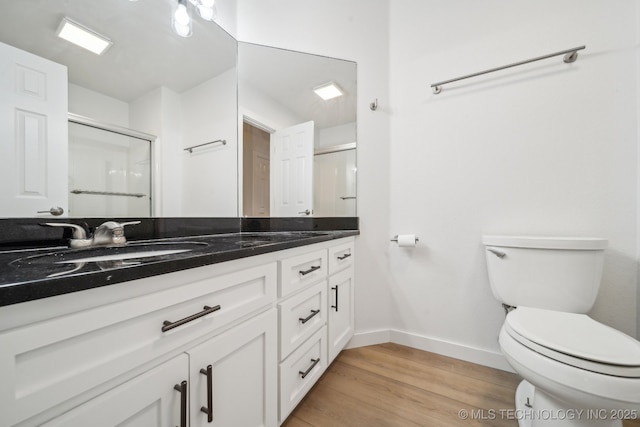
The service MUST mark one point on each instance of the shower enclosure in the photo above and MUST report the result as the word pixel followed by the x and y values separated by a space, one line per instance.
pixel 334 170
pixel 109 170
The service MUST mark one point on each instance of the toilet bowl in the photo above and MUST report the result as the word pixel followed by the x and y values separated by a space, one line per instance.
pixel 576 371
pixel 583 373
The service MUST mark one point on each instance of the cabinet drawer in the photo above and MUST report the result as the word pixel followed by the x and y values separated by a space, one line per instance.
pixel 301 316
pixel 300 271
pixel 340 257
pixel 300 371
pixel 46 363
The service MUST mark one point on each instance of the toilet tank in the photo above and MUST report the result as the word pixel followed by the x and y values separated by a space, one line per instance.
pixel 555 273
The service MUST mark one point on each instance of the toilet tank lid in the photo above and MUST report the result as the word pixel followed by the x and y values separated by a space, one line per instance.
pixel 542 242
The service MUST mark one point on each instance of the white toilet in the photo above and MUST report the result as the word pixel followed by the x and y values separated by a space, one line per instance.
pixel 577 372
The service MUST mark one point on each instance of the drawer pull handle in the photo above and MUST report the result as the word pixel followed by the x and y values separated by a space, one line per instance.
pixel 167 325
pixel 313 365
pixel 209 408
pixel 343 257
pixel 182 388
pixel 306 319
pixel 335 289
pixel 311 270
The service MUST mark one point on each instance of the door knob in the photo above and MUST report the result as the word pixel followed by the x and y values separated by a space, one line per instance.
pixel 56 211
pixel 307 212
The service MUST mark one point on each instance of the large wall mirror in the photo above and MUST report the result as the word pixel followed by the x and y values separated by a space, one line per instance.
pixel 154 126
pixel 298 135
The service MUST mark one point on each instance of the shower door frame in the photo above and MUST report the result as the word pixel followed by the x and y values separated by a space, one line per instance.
pixel 87 121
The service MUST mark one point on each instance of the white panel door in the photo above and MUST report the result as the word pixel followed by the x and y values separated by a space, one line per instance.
pixel 292 170
pixel 33 134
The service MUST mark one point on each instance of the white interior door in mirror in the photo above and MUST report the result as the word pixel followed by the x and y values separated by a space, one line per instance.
pixel 33 134
pixel 292 170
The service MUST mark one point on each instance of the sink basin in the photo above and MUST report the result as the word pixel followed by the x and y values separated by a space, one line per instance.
pixel 62 262
pixel 131 252
pixel 123 256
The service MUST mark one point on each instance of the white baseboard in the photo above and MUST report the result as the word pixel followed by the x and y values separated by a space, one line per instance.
pixel 362 339
pixel 445 348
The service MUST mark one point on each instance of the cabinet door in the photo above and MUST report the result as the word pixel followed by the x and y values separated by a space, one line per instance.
pixel 149 399
pixel 234 376
pixel 341 311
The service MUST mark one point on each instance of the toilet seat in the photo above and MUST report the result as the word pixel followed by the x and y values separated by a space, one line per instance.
pixel 576 340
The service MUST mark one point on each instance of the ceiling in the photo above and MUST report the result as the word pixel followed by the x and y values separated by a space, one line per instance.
pixel 146 54
pixel 289 78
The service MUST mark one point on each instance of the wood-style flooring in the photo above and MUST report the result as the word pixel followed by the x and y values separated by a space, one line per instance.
pixel 394 385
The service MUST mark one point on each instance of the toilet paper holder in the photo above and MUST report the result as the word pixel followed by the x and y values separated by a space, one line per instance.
pixel 395 239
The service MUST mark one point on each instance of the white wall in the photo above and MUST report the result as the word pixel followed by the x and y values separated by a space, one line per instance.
pixel 544 149
pixel 202 183
pixel 227 15
pixel 548 148
pixel 261 108
pixel 159 113
pixel 356 30
pixel 337 135
pixel 94 105
pixel 209 113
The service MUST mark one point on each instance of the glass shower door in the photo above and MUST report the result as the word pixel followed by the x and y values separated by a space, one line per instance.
pixel 109 173
pixel 335 183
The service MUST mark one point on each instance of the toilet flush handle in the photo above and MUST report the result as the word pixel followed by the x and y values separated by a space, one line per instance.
pixel 497 253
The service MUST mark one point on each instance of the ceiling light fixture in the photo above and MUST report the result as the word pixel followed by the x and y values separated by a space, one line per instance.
pixel 328 91
pixel 181 16
pixel 82 36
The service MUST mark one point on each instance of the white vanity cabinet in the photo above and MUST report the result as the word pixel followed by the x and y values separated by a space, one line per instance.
pixel 316 316
pixel 224 381
pixel 234 343
pixel 54 362
pixel 302 328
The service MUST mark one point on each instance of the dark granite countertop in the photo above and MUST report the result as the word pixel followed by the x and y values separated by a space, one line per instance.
pixel 29 274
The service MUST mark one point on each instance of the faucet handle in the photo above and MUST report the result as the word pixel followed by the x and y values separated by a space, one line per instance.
pixel 78 231
pixel 113 225
pixel 129 223
pixel 111 233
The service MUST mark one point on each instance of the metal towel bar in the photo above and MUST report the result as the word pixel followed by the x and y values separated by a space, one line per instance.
pixel 190 149
pixel 108 193
pixel 570 55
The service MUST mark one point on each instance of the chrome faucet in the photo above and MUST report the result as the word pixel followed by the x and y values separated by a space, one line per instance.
pixel 111 233
pixel 108 233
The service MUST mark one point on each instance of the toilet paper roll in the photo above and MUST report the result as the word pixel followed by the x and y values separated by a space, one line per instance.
pixel 407 240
